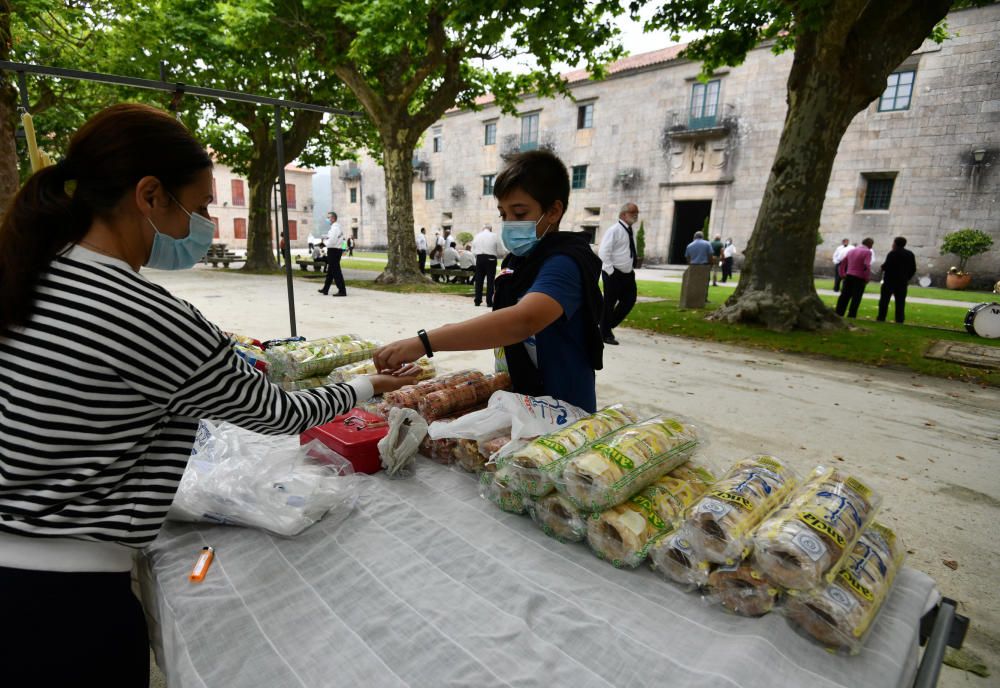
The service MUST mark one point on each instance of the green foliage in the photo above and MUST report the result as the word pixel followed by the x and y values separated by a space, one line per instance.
pixel 464 238
pixel 640 241
pixel 966 243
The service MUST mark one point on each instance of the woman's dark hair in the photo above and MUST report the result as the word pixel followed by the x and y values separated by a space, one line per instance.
pixel 539 173
pixel 54 209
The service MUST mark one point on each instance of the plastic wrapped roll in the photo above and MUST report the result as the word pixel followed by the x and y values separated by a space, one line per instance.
pixel 558 518
pixel 491 447
pixel 841 615
pixel 801 545
pixel 493 488
pixel 622 534
pixel 466 395
pixel 410 396
pixel 316 357
pixel 742 590
pixel 671 556
pixel 721 524
pixel 533 468
pixel 468 456
pixel 610 471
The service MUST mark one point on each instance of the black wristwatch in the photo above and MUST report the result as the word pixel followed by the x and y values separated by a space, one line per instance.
pixel 427 342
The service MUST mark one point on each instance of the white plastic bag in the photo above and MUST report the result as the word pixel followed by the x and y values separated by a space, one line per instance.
pixel 407 430
pixel 238 477
pixel 518 415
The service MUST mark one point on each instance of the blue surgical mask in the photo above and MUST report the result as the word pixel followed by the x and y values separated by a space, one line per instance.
pixel 169 253
pixel 519 235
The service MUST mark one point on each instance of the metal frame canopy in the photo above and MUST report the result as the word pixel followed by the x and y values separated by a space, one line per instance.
pixel 22 69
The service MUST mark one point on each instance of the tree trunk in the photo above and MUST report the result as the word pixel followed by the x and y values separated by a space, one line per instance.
pixel 260 237
pixel 402 266
pixel 836 72
pixel 9 178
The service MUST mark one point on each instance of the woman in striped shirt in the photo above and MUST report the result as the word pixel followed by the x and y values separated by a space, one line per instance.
pixel 103 379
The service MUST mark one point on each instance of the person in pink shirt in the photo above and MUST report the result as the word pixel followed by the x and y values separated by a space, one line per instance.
pixel 856 269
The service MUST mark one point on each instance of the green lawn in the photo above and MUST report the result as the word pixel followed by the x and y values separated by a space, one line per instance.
pixel 929 292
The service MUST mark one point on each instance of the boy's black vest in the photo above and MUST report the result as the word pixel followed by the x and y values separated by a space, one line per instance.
pixel 524 374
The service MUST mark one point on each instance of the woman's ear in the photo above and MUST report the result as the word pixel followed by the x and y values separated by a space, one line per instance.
pixel 149 195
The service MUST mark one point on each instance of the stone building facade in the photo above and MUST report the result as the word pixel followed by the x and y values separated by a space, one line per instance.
pixel 921 161
pixel 230 212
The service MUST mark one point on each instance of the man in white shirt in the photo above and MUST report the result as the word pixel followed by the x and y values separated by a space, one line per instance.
pixel 728 256
pixel 838 256
pixel 422 249
pixel 336 243
pixel 450 258
pixel 486 247
pixel 617 254
pixel 466 261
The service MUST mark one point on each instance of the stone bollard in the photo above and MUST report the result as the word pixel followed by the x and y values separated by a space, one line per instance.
pixel 694 286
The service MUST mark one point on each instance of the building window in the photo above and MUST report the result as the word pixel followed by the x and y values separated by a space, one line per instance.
pixel 238 197
pixel 878 192
pixel 579 176
pixel 215 221
pixel 488 180
pixel 290 195
pixel 491 134
pixel 429 191
pixel 529 132
pixel 898 89
pixel 704 104
pixel 354 194
pixel 585 116
pixel 437 140
pixel 239 228
pixel 293 230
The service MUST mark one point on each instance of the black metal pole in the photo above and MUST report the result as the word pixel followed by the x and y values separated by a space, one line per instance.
pixel 930 665
pixel 279 140
pixel 277 223
pixel 22 86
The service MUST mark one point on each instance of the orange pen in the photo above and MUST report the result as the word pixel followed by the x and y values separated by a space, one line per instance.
pixel 201 566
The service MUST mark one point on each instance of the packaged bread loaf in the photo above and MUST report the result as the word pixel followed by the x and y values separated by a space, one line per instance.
pixel 622 534
pixel 741 589
pixel 801 545
pixel 316 357
pixel 466 395
pixel 346 373
pixel 410 396
pixel 671 556
pixel 720 525
pixel 618 466
pixel 558 517
pixel 531 469
pixel 493 488
pixel 468 456
pixel 840 615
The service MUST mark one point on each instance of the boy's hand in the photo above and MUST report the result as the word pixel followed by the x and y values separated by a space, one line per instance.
pixel 390 383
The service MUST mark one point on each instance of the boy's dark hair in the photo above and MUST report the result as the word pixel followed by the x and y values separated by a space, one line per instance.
pixel 900 242
pixel 539 173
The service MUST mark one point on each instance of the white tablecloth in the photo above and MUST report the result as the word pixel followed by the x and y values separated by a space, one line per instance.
pixel 428 585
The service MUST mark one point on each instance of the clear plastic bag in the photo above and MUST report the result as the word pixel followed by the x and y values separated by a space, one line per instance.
pixel 623 534
pixel 742 590
pixel 558 517
pixel 410 396
pixel 346 373
pixel 802 544
pixel 610 471
pixel 721 524
pixel 467 395
pixel 238 477
pixel 493 488
pixel 672 556
pixel 532 468
pixel 316 357
pixel 841 615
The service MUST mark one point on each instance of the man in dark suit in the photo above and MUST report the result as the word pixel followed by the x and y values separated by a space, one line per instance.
pixel 897 271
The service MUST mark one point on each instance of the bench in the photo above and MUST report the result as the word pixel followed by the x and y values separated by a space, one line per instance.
pixel 305 264
pixel 217 253
pixel 452 275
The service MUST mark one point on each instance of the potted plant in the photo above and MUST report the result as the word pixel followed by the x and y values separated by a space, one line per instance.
pixel 965 243
pixel 640 244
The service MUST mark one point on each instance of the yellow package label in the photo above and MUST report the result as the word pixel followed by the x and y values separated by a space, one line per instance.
pixel 768 462
pixel 734 498
pixel 858 487
pixel 552 444
pixel 856 585
pixel 646 505
pixel 672 426
pixel 614 455
pixel 822 527
pixel 887 533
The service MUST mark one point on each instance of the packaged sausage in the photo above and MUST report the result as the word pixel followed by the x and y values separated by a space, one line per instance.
pixel 841 615
pixel 720 525
pixel 801 546
pixel 610 471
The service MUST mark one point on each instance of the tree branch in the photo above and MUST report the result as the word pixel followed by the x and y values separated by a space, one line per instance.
pixel 435 58
pixel 444 97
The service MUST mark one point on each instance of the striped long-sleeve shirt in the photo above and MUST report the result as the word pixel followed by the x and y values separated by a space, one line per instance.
pixel 100 398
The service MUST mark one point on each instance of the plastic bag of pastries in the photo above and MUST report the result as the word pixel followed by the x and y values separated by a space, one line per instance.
pixel 445 402
pixel 532 467
pixel 613 469
pixel 671 555
pixel 720 525
pixel 558 517
pixel 468 456
pixel 802 545
pixel 841 615
pixel 493 487
pixel 742 590
pixel 410 396
pixel 623 533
